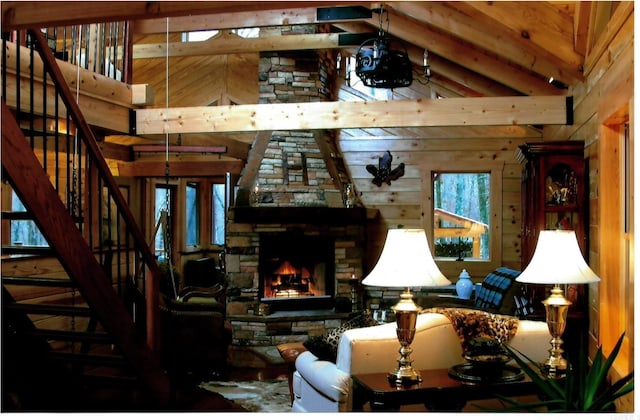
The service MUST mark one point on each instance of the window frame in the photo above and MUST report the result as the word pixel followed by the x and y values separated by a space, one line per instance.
pixel 197 209
pixel 212 213
pixel 441 163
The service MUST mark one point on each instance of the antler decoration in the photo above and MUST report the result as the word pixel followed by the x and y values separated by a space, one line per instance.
pixel 384 173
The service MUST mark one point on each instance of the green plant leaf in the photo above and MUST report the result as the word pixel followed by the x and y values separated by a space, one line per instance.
pixel 583 388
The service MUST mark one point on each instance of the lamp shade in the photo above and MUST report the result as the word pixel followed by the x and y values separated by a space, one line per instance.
pixel 557 260
pixel 406 261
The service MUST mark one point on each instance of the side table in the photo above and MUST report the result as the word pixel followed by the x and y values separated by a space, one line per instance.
pixel 438 391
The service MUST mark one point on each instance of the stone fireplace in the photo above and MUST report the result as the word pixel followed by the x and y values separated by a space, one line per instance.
pixel 325 242
pixel 292 247
pixel 296 271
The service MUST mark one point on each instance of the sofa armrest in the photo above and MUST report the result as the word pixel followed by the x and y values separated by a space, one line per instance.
pixel 532 339
pixel 324 376
pixel 375 349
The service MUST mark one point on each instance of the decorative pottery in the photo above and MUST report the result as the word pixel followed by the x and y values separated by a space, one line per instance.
pixel 464 285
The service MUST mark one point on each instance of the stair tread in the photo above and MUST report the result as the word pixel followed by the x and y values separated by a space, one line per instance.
pixel 37 281
pixel 89 358
pixel 50 309
pixel 96 337
pixel 26 250
pixel 16 215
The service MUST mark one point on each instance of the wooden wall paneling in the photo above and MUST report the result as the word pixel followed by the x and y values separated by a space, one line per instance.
pixel 241 77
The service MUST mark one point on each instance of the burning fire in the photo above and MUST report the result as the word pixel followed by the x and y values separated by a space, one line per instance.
pixel 286 269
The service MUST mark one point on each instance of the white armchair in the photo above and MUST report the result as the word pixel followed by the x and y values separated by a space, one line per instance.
pixel 323 386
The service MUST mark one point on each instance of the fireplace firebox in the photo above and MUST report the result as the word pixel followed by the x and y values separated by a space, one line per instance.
pixel 296 272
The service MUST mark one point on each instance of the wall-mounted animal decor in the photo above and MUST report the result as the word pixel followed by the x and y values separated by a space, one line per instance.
pixel 384 173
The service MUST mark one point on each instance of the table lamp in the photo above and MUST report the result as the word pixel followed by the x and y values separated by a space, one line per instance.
pixel 557 260
pixel 405 262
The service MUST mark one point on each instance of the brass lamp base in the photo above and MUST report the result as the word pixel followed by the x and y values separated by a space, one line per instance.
pixel 406 312
pixel 556 308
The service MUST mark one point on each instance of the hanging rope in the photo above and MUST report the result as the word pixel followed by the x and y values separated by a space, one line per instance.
pixel 165 216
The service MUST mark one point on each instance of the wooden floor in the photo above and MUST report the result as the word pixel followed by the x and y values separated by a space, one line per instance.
pixel 50 395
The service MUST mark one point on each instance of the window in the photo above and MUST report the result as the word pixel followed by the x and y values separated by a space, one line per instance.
pixel 192 215
pixel 615 242
pixel 163 213
pixel 218 216
pixel 24 232
pixel 463 214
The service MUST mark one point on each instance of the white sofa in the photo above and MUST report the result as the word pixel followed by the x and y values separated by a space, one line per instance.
pixel 322 386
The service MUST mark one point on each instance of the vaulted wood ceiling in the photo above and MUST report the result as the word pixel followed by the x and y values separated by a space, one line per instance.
pixel 476 49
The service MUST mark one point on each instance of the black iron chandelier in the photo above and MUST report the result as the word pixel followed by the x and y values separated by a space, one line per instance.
pixel 383 62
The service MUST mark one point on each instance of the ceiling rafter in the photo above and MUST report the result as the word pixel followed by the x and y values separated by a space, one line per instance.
pixel 37 14
pixel 539 23
pixel 501 40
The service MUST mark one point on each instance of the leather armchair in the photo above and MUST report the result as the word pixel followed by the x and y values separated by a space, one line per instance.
pixel 196 334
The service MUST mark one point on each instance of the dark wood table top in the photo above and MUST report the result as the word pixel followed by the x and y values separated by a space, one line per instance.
pixel 436 386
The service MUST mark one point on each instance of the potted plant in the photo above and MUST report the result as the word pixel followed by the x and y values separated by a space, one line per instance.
pixel 584 388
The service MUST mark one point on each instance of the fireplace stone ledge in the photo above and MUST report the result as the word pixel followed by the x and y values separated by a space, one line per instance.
pixel 283 326
pixel 303 315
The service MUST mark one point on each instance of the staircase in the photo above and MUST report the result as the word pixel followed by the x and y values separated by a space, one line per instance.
pixel 80 317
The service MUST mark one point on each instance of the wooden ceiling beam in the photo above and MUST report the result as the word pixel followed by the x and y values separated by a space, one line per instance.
pixel 520 110
pixel 238 149
pixel 251 169
pixel 158 148
pixel 500 40
pixel 581 20
pixel 179 169
pixel 539 23
pixel 228 43
pixel 239 19
pixel 40 14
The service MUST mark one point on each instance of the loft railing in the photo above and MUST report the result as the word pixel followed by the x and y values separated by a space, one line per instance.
pixel 48 113
pixel 100 48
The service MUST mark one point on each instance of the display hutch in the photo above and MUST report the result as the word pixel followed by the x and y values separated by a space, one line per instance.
pixel 554 186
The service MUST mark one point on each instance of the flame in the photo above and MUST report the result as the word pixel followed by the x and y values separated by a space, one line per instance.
pixel 286 269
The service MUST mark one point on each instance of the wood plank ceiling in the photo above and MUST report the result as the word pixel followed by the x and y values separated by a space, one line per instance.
pixel 475 49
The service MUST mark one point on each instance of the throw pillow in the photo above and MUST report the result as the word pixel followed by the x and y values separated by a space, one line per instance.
pixel 325 347
pixel 496 294
pixel 471 324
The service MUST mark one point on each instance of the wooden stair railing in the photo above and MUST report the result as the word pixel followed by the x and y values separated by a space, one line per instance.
pixel 97 160
pixel 76 257
pixel 72 238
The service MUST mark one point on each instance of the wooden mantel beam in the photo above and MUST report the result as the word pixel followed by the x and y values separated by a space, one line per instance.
pixel 517 110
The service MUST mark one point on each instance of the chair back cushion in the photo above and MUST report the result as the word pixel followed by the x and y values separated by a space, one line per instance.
pixel 497 291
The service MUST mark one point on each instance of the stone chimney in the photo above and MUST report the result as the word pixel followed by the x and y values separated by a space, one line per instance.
pixel 292 190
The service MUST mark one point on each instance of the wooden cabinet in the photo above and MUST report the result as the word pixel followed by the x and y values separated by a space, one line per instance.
pixel 554 188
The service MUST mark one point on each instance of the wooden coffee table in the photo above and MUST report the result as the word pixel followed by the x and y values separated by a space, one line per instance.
pixel 438 391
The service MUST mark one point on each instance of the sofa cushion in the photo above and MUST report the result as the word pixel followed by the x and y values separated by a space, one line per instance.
pixel 497 291
pixel 325 347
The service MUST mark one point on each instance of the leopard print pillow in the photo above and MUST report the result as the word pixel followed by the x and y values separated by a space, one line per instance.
pixel 325 347
pixel 472 324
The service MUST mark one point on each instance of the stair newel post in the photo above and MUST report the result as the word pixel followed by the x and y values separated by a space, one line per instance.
pixel 152 298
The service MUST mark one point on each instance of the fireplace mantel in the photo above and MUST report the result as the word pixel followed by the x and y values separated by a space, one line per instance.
pixel 334 216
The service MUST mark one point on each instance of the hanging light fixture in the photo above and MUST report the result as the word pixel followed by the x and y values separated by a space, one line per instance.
pixel 379 64
pixel 425 66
